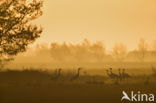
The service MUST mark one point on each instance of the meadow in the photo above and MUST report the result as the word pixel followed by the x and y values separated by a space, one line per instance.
pixel 66 86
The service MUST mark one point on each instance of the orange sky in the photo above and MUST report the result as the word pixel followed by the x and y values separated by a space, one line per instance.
pixel 110 21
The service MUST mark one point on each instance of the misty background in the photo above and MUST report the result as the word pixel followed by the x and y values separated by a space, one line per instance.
pixel 86 54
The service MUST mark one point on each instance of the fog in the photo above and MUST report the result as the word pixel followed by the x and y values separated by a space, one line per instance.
pixel 85 54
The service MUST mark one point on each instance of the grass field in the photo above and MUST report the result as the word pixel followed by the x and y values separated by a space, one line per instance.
pixel 34 86
pixel 92 86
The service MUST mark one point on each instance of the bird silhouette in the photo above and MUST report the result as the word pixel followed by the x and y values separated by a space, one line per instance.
pixel 57 74
pixel 146 82
pixel 154 71
pixel 113 75
pixel 124 74
pixel 120 75
pixel 77 75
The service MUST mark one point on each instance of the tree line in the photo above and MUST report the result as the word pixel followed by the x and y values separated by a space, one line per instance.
pixel 95 52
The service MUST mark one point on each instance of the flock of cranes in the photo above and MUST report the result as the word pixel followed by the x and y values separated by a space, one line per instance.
pixel 120 76
pixel 58 74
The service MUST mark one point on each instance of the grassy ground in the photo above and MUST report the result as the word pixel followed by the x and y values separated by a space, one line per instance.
pixel 31 86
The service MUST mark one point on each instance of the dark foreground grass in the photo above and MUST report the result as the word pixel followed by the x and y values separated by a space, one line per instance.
pixel 36 87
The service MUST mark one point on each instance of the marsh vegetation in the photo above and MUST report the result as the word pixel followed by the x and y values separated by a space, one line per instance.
pixel 73 85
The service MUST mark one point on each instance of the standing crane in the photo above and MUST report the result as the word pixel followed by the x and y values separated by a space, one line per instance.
pixel 57 74
pixel 77 75
pixel 124 74
pixel 111 74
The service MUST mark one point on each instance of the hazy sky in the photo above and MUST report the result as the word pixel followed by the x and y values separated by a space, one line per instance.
pixel 111 21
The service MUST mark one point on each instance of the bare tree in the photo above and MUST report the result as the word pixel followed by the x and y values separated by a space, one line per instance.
pixel 154 45
pixel 142 49
pixel 16 32
pixel 119 52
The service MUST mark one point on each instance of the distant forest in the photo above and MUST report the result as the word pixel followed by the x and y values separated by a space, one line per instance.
pixel 87 52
